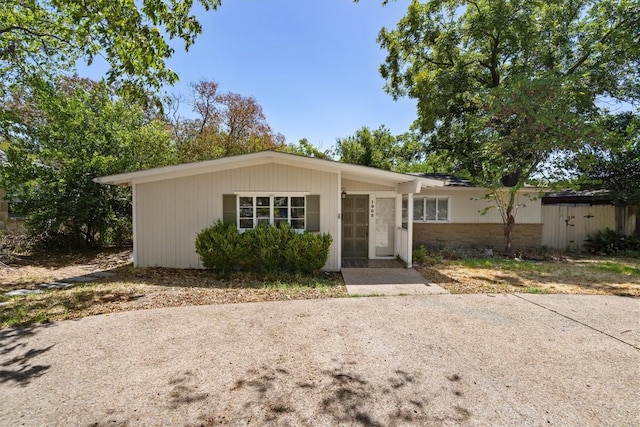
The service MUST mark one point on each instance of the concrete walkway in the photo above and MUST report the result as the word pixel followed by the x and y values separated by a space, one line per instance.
pixel 388 281
pixel 64 284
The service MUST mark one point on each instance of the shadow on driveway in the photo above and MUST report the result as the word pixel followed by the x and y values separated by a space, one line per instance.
pixel 19 363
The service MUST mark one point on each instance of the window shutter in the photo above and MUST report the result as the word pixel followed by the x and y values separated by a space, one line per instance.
pixel 313 213
pixel 229 215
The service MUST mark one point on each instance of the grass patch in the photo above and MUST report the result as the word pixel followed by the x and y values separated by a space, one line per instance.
pixel 535 290
pixel 136 289
pixel 615 267
pixel 286 282
pixel 59 304
pixel 503 264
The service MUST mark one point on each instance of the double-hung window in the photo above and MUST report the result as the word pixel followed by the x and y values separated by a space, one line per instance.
pixel 274 210
pixel 431 209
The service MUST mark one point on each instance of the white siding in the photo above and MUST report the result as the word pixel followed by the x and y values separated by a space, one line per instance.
pixel 466 206
pixel 170 213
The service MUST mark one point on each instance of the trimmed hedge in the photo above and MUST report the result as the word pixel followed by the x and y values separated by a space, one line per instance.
pixel 264 249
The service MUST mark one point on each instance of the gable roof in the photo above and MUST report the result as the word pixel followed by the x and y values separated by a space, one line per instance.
pixel 262 157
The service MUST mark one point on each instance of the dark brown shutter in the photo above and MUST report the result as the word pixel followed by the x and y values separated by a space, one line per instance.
pixel 313 213
pixel 229 215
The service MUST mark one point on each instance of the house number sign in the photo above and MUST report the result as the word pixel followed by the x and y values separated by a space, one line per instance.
pixel 372 208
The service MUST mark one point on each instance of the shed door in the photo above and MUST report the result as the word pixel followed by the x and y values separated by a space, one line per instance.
pixel 355 227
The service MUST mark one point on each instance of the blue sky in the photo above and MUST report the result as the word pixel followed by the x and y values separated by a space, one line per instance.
pixel 312 65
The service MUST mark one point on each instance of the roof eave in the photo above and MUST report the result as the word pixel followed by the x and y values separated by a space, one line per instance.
pixel 230 162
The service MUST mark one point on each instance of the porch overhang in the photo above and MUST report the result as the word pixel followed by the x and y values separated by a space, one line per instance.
pixel 409 187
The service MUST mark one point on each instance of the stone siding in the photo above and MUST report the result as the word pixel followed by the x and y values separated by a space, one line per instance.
pixel 475 235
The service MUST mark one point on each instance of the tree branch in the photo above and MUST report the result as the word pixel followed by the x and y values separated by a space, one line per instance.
pixel 589 52
pixel 33 33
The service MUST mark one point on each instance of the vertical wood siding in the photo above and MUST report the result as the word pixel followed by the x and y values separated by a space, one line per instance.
pixel 567 227
pixel 172 212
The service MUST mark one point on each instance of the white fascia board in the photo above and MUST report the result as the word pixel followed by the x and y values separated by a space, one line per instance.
pixel 181 170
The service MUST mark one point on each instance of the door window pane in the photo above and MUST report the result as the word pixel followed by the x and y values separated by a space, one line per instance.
pixel 405 212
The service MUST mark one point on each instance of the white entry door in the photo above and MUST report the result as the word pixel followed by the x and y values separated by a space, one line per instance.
pixel 385 210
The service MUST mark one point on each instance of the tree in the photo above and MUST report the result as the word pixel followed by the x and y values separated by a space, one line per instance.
pixel 367 148
pixel 45 37
pixel 615 164
pixel 60 137
pixel 227 124
pixel 502 86
pixel 379 149
pixel 305 148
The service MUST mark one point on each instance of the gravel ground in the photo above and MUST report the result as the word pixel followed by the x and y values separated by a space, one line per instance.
pixel 419 360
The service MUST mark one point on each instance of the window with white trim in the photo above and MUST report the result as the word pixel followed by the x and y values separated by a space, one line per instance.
pixel 274 210
pixel 431 209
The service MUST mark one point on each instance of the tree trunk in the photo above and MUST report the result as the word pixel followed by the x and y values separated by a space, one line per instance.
pixel 508 236
pixel 508 225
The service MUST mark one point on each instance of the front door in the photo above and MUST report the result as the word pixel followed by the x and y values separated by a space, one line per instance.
pixel 355 227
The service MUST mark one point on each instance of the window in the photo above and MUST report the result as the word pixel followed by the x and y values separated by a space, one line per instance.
pixel 256 210
pixel 431 209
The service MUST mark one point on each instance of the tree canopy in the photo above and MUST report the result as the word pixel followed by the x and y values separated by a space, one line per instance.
pixel 57 139
pixel 615 164
pixel 226 124
pixel 305 148
pixel 501 86
pixel 379 148
pixel 44 37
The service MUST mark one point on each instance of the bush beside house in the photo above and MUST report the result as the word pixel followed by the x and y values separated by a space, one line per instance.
pixel 265 249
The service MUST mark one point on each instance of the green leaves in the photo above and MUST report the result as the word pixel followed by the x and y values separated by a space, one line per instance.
pixel 504 86
pixel 47 37
pixel 60 137
pixel 379 148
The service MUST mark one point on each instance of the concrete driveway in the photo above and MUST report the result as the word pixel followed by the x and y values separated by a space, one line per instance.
pixel 534 360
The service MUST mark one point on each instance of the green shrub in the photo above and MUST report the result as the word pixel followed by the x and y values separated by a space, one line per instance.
pixel 420 254
pixel 307 253
pixel 264 249
pixel 219 247
pixel 612 242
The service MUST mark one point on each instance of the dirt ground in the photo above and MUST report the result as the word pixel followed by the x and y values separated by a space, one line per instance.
pixel 565 275
pixel 138 288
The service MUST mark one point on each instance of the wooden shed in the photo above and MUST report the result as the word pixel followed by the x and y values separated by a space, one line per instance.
pixel 570 217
